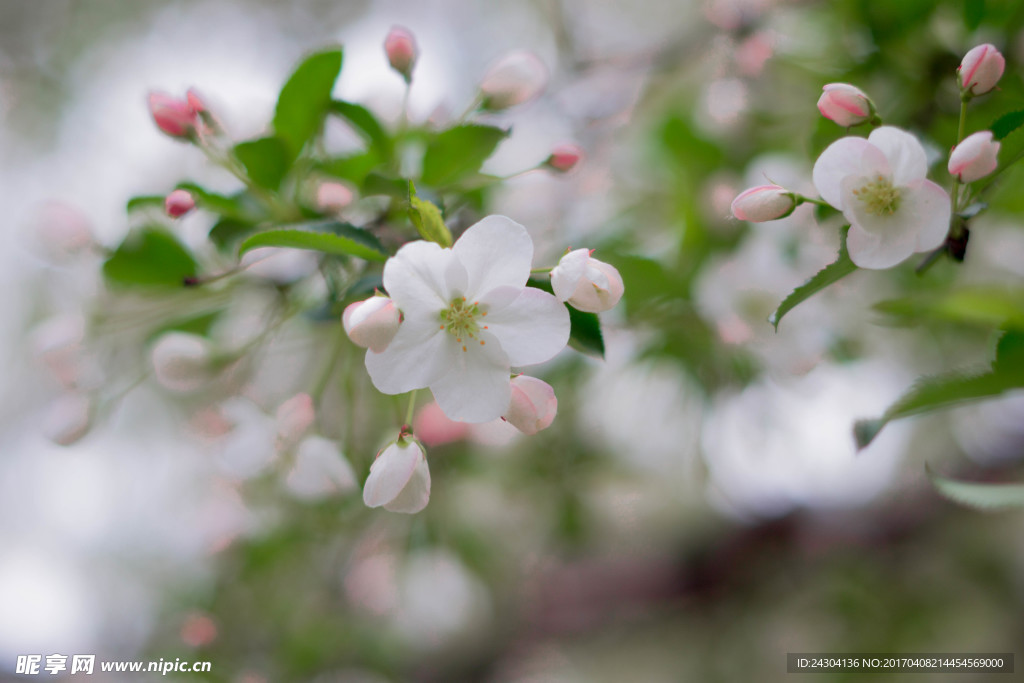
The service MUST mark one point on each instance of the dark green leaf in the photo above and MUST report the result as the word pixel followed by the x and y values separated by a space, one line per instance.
pixel 458 152
pixel 830 274
pixel 228 231
pixel 147 201
pixel 347 244
pixel 978 495
pixel 585 334
pixel 1006 124
pixel 366 124
pixel 305 100
pixel 974 12
pixel 150 257
pixel 265 160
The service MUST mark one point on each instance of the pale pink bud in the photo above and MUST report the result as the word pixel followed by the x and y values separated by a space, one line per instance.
pixel 173 116
pixel 320 470
pixel 399 479
pixel 434 428
pixel 974 158
pixel 586 283
pixel 763 203
pixel 981 69
pixel 565 157
pixel 845 104
pixel 514 79
pixel 294 418
pixel 533 406
pixel 400 47
pixel 68 419
pixel 178 203
pixel 198 630
pixel 372 323
pixel 182 362
pixel 332 197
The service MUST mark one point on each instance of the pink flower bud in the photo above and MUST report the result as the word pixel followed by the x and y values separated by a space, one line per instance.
pixel 399 479
pixel 434 428
pixel 400 47
pixel 332 197
pixel 845 104
pixel 981 69
pixel 195 103
pixel 372 323
pixel 178 203
pixel 294 418
pixel 174 117
pixel 763 203
pixel 974 157
pixel 533 406
pixel 514 79
pixel 586 283
pixel 565 157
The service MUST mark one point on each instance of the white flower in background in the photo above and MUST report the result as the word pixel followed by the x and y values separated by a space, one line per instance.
pixel 586 283
pixel 183 363
pixel 294 418
pixel 974 157
pixel 68 418
pixel 516 78
pixel 533 405
pixel 320 470
pixel 372 323
pixel 879 184
pixel 468 317
pixel 399 478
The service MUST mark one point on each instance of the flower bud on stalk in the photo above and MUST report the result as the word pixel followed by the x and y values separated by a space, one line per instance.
pixel 845 104
pixel 564 158
pixel 178 203
pixel 981 69
pixel 516 78
pixel 974 158
pixel 400 47
pixel 763 203
pixel 372 323
pixel 587 284
pixel 399 478
pixel 533 406
pixel 173 116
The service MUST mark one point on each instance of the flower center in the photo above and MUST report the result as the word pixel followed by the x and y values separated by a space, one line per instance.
pixel 880 197
pixel 462 320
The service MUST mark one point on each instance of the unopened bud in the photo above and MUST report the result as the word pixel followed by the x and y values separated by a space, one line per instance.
pixel 981 69
pixel 399 478
pixel 564 158
pixel 294 418
pixel 332 197
pixel 974 158
pixel 845 104
pixel 173 116
pixel 178 203
pixel 68 419
pixel 763 203
pixel 514 79
pixel 400 47
pixel 372 323
pixel 533 406
pixel 586 283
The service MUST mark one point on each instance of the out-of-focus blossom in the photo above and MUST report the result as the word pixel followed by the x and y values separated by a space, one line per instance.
pixel 586 283
pixel 516 78
pixel 57 342
pixel 68 418
pixel 434 428
pixel 371 323
pixel 320 470
pixel 178 203
pixel 974 157
pixel 400 47
pixel 249 448
pixel 880 186
pixel 198 630
pixel 399 478
pixel 845 104
pixel 763 203
pixel 294 418
pixel 332 197
pixel 981 69
pixel 175 117
pixel 565 157
pixel 61 231
pixel 533 406
pixel 183 363
pixel 279 265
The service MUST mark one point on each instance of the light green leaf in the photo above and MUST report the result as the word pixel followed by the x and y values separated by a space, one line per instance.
pixel 366 124
pixel 458 152
pixel 353 168
pixel 830 274
pixel 265 159
pixel 426 217
pixel 982 306
pixel 305 99
pixel 147 201
pixel 978 495
pixel 345 241
pixel 150 257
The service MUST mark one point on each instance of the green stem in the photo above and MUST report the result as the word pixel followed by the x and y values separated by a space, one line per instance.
pixel 411 408
pixel 541 270
pixel 473 107
pixel 811 200
pixel 954 195
pixel 328 371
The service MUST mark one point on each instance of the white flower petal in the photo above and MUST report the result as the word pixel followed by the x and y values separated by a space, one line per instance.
pixel 532 329
pixel 390 473
pixel 496 252
pixel 477 386
pixel 877 251
pixel 567 274
pixel 905 154
pixel 929 204
pixel 422 276
pixel 845 157
pixel 416 494
pixel 419 354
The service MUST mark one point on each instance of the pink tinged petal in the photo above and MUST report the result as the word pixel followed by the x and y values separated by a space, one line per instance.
pixel 390 473
pixel 496 252
pixel 981 68
pixel 904 152
pixel 843 103
pixel 533 329
pixel 845 157
pixel 763 203
pixel 294 418
pixel 533 406
pixel 599 290
pixel 567 274
pixel 418 355
pixel 416 494
pixel 975 157
pixel 434 428
pixel 476 386
pixel 423 276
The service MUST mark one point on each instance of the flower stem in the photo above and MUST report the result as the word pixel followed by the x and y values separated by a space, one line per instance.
pixel 541 270
pixel 811 200
pixel 411 408
pixel 328 371
pixel 954 227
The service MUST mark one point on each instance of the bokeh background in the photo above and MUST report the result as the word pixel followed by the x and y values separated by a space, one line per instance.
pixel 697 510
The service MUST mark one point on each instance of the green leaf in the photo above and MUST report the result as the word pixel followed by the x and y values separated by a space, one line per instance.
pixel 378 184
pixel 146 201
pixel 978 495
pixel 974 12
pixel 981 306
pixel 305 100
pixel 366 124
pixel 150 257
pixel 345 241
pixel 229 231
pixel 353 168
pixel 426 217
pixel 240 206
pixel 1006 124
pixel 830 274
pixel 265 160
pixel 459 152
